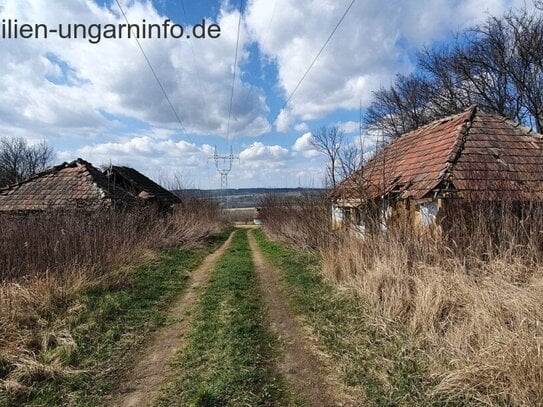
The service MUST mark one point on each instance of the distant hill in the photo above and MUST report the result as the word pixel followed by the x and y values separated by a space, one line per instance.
pixel 246 197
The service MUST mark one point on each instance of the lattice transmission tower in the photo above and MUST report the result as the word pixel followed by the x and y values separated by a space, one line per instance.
pixel 223 163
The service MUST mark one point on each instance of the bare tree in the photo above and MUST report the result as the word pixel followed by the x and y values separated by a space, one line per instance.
pixel 351 158
pixel 401 108
pixel 447 95
pixel 19 160
pixel 483 66
pixel 526 65
pixel 329 142
pixel 497 65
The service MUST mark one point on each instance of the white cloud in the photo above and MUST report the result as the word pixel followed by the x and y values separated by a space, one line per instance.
pixel 304 146
pixel 301 127
pixel 283 121
pixel 88 99
pixel 61 87
pixel 146 153
pixel 167 160
pixel 369 48
pixel 349 127
pixel 259 152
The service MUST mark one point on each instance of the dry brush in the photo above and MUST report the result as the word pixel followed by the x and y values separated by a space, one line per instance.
pixel 46 259
pixel 469 300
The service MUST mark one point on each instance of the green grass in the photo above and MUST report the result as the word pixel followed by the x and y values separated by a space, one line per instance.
pixel 228 357
pixel 385 368
pixel 108 324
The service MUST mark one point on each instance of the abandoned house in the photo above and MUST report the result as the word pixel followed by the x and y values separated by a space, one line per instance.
pixel 141 187
pixel 472 156
pixel 68 186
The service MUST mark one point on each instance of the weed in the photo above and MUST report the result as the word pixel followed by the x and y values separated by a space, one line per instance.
pixel 339 323
pixel 464 302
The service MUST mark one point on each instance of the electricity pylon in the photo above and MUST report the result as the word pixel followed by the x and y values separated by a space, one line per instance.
pixel 223 163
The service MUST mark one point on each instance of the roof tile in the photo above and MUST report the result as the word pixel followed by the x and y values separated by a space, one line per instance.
pixel 476 151
pixel 67 186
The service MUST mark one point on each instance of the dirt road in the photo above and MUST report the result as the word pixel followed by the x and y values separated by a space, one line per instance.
pixel 308 380
pixel 307 377
pixel 143 382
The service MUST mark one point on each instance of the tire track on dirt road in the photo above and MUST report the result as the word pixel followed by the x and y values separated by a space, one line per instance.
pixel 306 375
pixel 144 381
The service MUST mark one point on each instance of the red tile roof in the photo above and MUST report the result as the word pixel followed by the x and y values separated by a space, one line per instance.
pixel 75 185
pixel 476 155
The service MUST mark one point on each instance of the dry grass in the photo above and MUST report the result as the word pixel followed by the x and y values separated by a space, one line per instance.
pixel 302 221
pixel 46 259
pixel 470 300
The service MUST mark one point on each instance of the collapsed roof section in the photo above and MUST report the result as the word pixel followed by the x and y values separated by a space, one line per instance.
pixel 139 185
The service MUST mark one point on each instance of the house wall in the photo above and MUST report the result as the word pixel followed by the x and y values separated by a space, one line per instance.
pixel 338 216
pixel 403 213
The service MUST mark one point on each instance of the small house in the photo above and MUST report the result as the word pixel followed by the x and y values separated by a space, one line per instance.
pixel 472 156
pixel 77 185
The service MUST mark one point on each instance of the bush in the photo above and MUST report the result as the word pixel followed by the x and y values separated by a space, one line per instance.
pixel 302 221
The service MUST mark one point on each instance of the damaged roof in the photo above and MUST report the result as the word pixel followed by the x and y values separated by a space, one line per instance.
pixel 472 155
pixel 141 186
pixel 74 185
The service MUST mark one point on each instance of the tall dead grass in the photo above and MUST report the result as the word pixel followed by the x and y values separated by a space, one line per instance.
pixel 302 221
pixel 47 258
pixel 470 296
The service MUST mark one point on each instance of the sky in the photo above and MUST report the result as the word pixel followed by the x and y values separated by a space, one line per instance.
pixel 102 103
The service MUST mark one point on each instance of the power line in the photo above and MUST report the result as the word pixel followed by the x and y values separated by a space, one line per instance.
pixel 269 23
pixel 234 75
pixel 228 159
pixel 154 72
pixel 193 56
pixel 312 63
pixel 319 53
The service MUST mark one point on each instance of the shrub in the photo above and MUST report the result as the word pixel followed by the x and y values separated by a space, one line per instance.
pixel 302 221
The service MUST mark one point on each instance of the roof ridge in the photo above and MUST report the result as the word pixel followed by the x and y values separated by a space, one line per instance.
pixel 79 161
pixel 442 120
pixel 40 174
pixel 461 129
pixel 432 123
pixel 453 154
pixel 462 136
pixel 528 130
pixel 458 147
pixel 438 121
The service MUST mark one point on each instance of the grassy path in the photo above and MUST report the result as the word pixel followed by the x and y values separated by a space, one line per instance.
pixel 108 324
pixel 228 358
pixel 255 326
pixel 375 369
pixel 141 385
pixel 309 380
